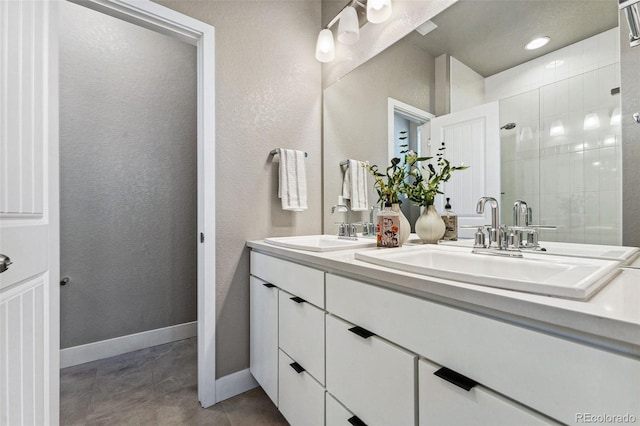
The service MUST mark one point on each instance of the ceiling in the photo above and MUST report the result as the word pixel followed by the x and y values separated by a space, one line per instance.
pixel 489 35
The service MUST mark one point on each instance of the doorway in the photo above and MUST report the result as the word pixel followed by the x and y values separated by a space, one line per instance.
pixel 201 233
pixel 407 121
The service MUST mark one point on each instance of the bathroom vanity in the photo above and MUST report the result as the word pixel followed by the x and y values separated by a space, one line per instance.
pixel 335 340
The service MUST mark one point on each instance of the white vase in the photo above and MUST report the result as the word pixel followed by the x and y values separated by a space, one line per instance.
pixel 405 225
pixel 430 226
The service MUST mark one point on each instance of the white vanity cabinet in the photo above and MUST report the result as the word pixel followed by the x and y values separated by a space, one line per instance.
pixel 287 336
pixel 301 396
pixel 372 377
pixel 331 350
pixel 446 399
pixel 555 376
pixel 263 335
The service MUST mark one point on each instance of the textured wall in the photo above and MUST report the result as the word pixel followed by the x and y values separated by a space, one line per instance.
pixel 355 116
pixel 630 90
pixel 267 95
pixel 128 178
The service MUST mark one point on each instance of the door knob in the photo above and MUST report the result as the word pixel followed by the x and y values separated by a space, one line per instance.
pixel 4 263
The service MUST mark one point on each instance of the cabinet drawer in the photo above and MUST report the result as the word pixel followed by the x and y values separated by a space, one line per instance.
pixel 301 327
pixel 338 415
pixel 372 377
pixel 263 336
pixel 302 281
pixel 301 397
pixel 557 377
pixel 443 403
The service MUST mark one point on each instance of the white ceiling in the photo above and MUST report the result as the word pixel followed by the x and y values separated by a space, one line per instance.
pixel 489 35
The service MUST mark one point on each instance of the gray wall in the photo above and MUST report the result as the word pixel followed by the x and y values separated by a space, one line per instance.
pixel 355 116
pixel 267 95
pixel 630 90
pixel 128 178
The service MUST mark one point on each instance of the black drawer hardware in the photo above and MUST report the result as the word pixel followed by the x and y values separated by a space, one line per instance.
pixel 456 378
pixel 268 285
pixel 362 332
pixel 297 299
pixel 297 367
pixel 355 421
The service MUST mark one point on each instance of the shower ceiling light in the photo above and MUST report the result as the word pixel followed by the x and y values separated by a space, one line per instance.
pixel 616 117
pixel 557 128
pixel 325 48
pixel 537 43
pixel 378 11
pixel 591 121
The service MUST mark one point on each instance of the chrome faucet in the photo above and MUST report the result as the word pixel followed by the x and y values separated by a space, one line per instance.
pixel 346 230
pixel 495 236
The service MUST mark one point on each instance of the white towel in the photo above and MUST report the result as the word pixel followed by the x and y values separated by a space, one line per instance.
pixel 354 185
pixel 292 188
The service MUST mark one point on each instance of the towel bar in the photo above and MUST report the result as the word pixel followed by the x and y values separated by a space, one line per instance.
pixel 275 151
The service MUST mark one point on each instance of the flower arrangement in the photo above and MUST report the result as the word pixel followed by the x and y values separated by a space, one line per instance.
pixel 388 185
pixel 422 188
pixel 405 176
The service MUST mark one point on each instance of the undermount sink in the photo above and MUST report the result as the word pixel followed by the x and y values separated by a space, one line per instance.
pixel 568 277
pixel 320 243
pixel 625 255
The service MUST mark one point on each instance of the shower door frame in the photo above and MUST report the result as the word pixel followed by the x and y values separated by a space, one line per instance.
pixel 158 18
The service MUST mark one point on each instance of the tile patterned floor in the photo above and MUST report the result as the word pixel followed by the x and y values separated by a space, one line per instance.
pixel 153 386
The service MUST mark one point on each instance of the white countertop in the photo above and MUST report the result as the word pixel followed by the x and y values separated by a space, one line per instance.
pixel 610 318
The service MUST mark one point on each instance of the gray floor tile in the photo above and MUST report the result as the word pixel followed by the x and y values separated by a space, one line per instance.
pixel 153 386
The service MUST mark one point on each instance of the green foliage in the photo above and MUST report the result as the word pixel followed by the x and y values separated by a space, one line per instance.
pixel 408 176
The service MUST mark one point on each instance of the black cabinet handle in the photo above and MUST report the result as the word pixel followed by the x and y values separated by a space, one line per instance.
pixel 456 378
pixel 355 421
pixel 268 285
pixel 297 367
pixel 297 299
pixel 362 332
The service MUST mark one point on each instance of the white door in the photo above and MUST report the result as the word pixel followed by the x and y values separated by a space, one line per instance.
pixel 29 303
pixel 471 137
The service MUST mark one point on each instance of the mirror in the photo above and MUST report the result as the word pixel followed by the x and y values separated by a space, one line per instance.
pixel 491 44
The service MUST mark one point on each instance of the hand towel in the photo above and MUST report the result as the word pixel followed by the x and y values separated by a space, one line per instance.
pixel 292 187
pixel 354 185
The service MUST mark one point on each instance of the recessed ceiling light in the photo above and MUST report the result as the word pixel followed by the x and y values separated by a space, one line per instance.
pixel 537 43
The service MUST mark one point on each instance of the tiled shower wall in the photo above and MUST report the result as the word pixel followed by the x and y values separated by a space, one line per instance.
pixel 571 180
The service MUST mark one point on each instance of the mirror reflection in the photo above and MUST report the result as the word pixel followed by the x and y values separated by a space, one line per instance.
pixel 557 129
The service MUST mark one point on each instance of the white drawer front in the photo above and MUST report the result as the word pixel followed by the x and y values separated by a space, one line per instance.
pixel 370 376
pixel 557 377
pixel 336 414
pixel 263 336
pixel 302 334
pixel 301 397
pixel 302 281
pixel 445 404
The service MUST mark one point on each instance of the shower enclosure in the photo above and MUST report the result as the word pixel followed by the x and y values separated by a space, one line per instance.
pixel 563 157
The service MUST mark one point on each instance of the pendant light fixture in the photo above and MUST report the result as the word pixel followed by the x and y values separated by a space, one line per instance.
pixel 378 11
pixel 325 48
pixel 348 28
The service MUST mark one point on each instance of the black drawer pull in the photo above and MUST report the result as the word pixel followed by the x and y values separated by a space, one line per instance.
pixel 355 421
pixel 268 285
pixel 298 299
pixel 362 332
pixel 456 378
pixel 297 367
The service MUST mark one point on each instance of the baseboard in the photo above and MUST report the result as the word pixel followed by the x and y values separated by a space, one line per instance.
pixel 234 384
pixel 120 345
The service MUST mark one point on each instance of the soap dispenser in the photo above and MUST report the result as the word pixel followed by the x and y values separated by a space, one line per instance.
pixel 450 222
pixel 388 227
